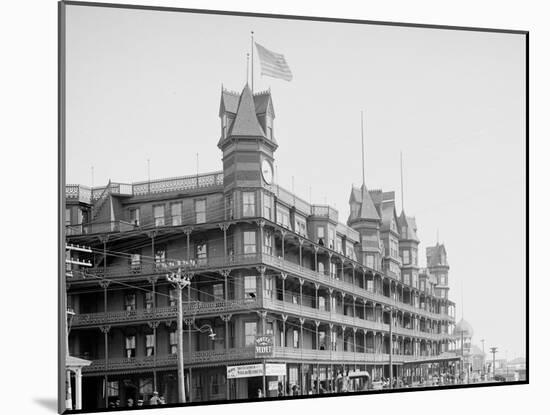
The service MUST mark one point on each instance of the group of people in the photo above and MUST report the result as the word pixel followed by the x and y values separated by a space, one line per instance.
pixel 156 399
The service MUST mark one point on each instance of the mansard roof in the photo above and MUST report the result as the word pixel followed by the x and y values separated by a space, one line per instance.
pixel 246 122
pixel 436 255
pixel 367 210
pixel 407 224
pixel 263 103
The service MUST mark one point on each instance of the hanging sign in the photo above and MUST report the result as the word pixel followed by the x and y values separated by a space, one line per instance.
pixel 263 346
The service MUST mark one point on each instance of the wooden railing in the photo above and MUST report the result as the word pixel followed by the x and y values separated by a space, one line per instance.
pixel 249 260
pixel 236 355
pixel 78 192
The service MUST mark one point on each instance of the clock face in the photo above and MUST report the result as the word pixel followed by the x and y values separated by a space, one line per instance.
pixel 267 171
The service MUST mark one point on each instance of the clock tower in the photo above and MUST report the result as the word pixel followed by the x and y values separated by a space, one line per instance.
pixel 248 145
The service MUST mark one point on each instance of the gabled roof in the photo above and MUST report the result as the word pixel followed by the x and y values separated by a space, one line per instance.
pixel 436 255
pixel 246 122
pixel 229 101
pixel 367 210
pixel 407 225
pixel 263 103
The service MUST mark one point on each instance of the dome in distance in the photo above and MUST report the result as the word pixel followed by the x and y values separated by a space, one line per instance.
pixel 463 327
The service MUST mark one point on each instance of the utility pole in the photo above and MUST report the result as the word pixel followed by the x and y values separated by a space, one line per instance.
pixel 70 261
pixel 483 350
pixel 391 347
pixel 180 280
pixel 493 351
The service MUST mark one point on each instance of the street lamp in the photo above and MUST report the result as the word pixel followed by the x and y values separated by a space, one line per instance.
pixel 390 309
pixel 180 280
pixel 493 351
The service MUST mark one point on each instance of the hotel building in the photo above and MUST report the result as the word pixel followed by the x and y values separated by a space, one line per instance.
pixel 341 299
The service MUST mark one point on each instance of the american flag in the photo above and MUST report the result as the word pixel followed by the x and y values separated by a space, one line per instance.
pixel 273 64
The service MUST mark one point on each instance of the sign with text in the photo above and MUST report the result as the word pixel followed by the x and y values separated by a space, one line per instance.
pixel 263 346
pixel 275 369
pixel 244 371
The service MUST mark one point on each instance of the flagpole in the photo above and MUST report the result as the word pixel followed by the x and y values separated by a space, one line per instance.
pixel 252 56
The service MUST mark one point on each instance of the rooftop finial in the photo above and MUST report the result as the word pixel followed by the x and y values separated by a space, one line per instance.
pixel 362 149
pixel 402 198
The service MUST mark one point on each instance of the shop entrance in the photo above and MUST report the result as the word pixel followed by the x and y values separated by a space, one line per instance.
pixel 254 384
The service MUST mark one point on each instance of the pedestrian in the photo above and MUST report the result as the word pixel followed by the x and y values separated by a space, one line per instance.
pixel 260 394
pixel 294 390
pixel 154 399
pixel 162 401
pixel 130 402
pixel 280 389
pixel 140 402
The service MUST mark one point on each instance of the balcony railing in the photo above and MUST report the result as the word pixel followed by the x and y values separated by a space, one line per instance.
pixel 250 260
pixel 99 227
pixel 246 354
pixel 326 211
pixel 78 192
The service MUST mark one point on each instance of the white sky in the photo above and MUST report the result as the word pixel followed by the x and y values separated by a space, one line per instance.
pixel 146 85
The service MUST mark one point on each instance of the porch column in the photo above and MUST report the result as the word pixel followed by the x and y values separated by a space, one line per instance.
pixel 317 285
pixel 316 249
pixel 78 384
pixel 283 233
pixel 284 318
pixel 283 277
pixel 105 330
pixel 300 243
pixel 187 231
pixel 301 280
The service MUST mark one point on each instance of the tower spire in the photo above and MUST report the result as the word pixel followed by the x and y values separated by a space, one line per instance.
pixel 362 149
pixel 402 198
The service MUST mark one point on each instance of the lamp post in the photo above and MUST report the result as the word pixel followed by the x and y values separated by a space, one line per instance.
pixel 180 280
pixel 390 309
pixel 493 351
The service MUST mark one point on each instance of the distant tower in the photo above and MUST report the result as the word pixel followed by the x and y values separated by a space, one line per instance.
pixel 436 257
pixel 248 145
pixel 408 250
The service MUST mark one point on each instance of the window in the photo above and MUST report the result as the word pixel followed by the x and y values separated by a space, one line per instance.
pixel 149 344
pixel 149 300
pixel 130 302
pixel 173 297
pixel 339 245
pixel 322 304
pixel 269 328
pixel 268 286
pixel 135 261
pixel 249 204
pixel 173 342
pixel 200 253
pixel 250 287
pixel 321 267
pixel 175 213
pixel 283 217
pixel 293 376
pixel 160 258
pixel 333 340
pixel 394 250
pixel 321 235
pixel 130 346
pixel 295 339
pixel 112 388
pixel 249 333
pixel 158 213
pixel 268 243
pixel 134 216
pixel 370 261
pixel 250 242
pixel 333 270
pixel 218 292
pixel 200 211
pixel 146 388
pixel 332 238
pixel 414 257
pixel 322 340
pixel 406 257
pixel 267 207
pixel 300 226
pixel 67 216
